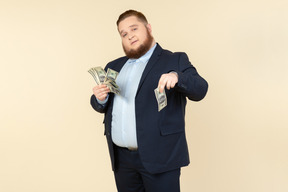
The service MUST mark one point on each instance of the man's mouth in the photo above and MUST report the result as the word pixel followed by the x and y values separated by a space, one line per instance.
pixel 134 42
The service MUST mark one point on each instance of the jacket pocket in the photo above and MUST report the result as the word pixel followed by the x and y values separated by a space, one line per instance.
pixel 172 125
pixel 171 130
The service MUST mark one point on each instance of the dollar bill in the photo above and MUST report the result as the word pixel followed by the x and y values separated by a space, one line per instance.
pixel 94 76
pixel 111 74
pixel 161 99
pixel 101 74
pixel 112 86
pixel 111 83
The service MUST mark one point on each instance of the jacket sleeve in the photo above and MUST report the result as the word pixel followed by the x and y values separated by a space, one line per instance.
pixel 190 83
pixel 101 108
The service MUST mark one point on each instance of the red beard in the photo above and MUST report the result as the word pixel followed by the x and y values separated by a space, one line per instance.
pixel 143 48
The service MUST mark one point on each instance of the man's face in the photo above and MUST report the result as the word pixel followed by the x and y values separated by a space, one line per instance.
pixel 136 37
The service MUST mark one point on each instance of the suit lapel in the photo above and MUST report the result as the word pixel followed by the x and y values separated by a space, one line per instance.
pixel 155 56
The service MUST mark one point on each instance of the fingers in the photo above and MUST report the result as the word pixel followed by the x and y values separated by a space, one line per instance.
pixel 167 80
pixel 101 92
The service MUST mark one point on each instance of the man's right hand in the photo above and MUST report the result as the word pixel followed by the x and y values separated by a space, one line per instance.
pixel 101 92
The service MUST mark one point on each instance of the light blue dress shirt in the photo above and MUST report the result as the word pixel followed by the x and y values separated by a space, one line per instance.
pixel 123 114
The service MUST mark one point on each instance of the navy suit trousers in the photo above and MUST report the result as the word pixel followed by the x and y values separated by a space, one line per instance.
pixel 131 176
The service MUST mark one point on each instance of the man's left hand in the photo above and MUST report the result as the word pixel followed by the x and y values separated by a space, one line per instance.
pixel 167 80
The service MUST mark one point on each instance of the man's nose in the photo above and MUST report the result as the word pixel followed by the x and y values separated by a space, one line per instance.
pixel 130 36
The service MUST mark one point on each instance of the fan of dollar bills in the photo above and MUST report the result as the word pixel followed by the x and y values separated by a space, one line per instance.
pixel 109 78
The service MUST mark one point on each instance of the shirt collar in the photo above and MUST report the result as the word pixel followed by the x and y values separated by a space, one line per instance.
pixel 144 58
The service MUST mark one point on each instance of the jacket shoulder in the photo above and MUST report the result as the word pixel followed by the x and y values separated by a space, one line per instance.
pixel 173 54
pixel 120 59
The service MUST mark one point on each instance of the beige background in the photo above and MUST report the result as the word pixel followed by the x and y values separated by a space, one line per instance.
pixel 52 140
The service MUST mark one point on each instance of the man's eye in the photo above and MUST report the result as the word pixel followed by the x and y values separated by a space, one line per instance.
pixel 124 35
pixel 134 29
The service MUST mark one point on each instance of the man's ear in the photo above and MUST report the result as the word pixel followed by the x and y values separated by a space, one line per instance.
pixel 149 28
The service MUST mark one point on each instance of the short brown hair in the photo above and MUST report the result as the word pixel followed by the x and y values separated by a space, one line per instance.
pixel 131 12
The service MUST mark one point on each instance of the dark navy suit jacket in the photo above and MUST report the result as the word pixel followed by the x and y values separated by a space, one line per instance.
pixel 161 137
